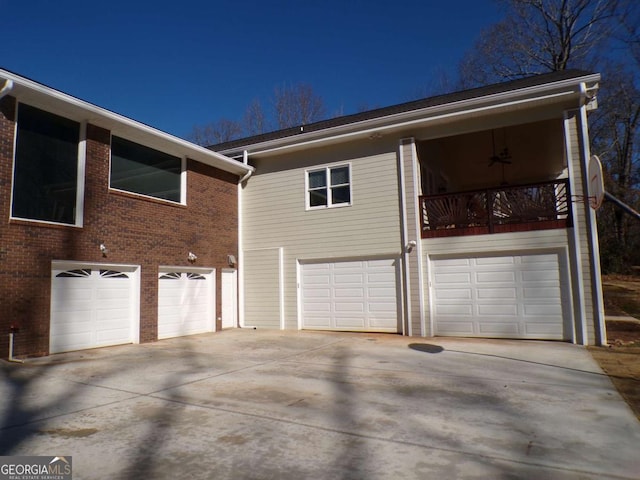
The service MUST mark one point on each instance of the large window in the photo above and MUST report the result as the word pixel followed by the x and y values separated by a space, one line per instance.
pixel 139 169
pixel 45 180
pixel 329 187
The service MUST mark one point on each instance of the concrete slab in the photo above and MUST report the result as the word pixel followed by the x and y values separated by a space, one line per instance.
pixel 271 404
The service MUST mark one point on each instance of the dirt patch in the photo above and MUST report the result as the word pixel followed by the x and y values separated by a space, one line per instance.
pixel 621 295
pixel 622 364
pixel 621 358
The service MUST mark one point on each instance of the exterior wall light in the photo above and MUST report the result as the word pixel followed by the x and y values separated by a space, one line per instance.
pixel 231 260
pixel 192 257
pixel 104 249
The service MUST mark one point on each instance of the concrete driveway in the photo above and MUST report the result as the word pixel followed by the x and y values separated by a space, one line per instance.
pixel 251 404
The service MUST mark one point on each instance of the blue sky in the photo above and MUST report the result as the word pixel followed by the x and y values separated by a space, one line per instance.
pixel 174 64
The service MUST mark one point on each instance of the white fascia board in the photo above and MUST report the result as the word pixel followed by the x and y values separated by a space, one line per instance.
pixel 559 90
pixel 44 97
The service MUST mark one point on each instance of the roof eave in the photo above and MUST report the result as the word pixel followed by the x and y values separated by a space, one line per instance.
pixel 562 89
pixel 25 89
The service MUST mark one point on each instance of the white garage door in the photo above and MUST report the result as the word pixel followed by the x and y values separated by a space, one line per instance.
pixel 92 306
pixel 514 296
pixel 185 302
pixel 355 296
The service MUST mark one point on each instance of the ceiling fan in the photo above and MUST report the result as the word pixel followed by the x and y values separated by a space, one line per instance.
pixel 503 157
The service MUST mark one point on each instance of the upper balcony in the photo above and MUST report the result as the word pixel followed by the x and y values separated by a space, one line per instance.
pixel 507 179
pixel 515 208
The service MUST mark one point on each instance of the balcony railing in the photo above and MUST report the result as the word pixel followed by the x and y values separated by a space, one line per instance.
pixel 518 208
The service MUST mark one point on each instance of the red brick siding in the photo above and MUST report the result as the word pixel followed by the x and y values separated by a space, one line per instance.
pixel 136 230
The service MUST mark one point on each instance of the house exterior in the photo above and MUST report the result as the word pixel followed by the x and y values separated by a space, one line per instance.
pixel 464 214
pixel 112 231
pixel 459 215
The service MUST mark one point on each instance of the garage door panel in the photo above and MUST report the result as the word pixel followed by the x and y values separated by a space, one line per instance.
pixel 498 329
pixel 348 279
pixel 453 293
pixel 494 261
pixel 91 307
pixel 313 321
pixel 514 296
pixel 454 309
pixel 456 328
pixel 550 310
pixel 106 335
pixel 350 295
pixel 453 262
pixel 349 307
pixel 356 293
pixel 551 294
pixel 497 310
pixel 185 302
pixel 546 331
pixel 550 259
pixel 540 276
pixel 496 277
pixel 444 278
pixel 349 322
pixel 493 293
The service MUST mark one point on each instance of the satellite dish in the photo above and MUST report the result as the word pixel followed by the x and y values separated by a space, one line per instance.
pixel 596 183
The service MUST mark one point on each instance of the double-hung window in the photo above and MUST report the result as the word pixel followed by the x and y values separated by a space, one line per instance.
pixel 329 187
pixel 45 173
pixel 143 170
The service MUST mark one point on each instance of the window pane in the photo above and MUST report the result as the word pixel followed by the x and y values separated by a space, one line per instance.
pixel 318 197
pixel 340 195
pixel 139 169
pixel 46 166
pixel 339 176
pixel 317 179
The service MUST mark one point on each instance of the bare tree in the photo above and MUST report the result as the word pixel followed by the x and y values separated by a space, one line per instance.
pixel 297 105
pixel 615 132
pixel 216 132
pixel 255 120
pixel 539 36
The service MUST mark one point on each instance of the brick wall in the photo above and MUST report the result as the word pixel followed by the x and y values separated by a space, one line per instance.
pixel 136 230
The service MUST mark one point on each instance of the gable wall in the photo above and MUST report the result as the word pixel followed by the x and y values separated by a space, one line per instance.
pixel 136 230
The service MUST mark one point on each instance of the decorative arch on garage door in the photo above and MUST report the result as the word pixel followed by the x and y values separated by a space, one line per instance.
pixel 186 301
pixel 93 305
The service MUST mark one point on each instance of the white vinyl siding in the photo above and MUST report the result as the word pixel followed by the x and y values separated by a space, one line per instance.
pixel 580 211
pixel 262 279
pixel 274 216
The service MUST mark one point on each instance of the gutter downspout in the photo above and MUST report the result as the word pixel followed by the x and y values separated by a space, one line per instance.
pixel 245 160
pixel 406 297
pixel 6 89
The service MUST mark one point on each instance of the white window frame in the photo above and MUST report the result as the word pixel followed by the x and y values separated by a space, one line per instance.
pixel 327 169
pixel 183 174
pixel 80 180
